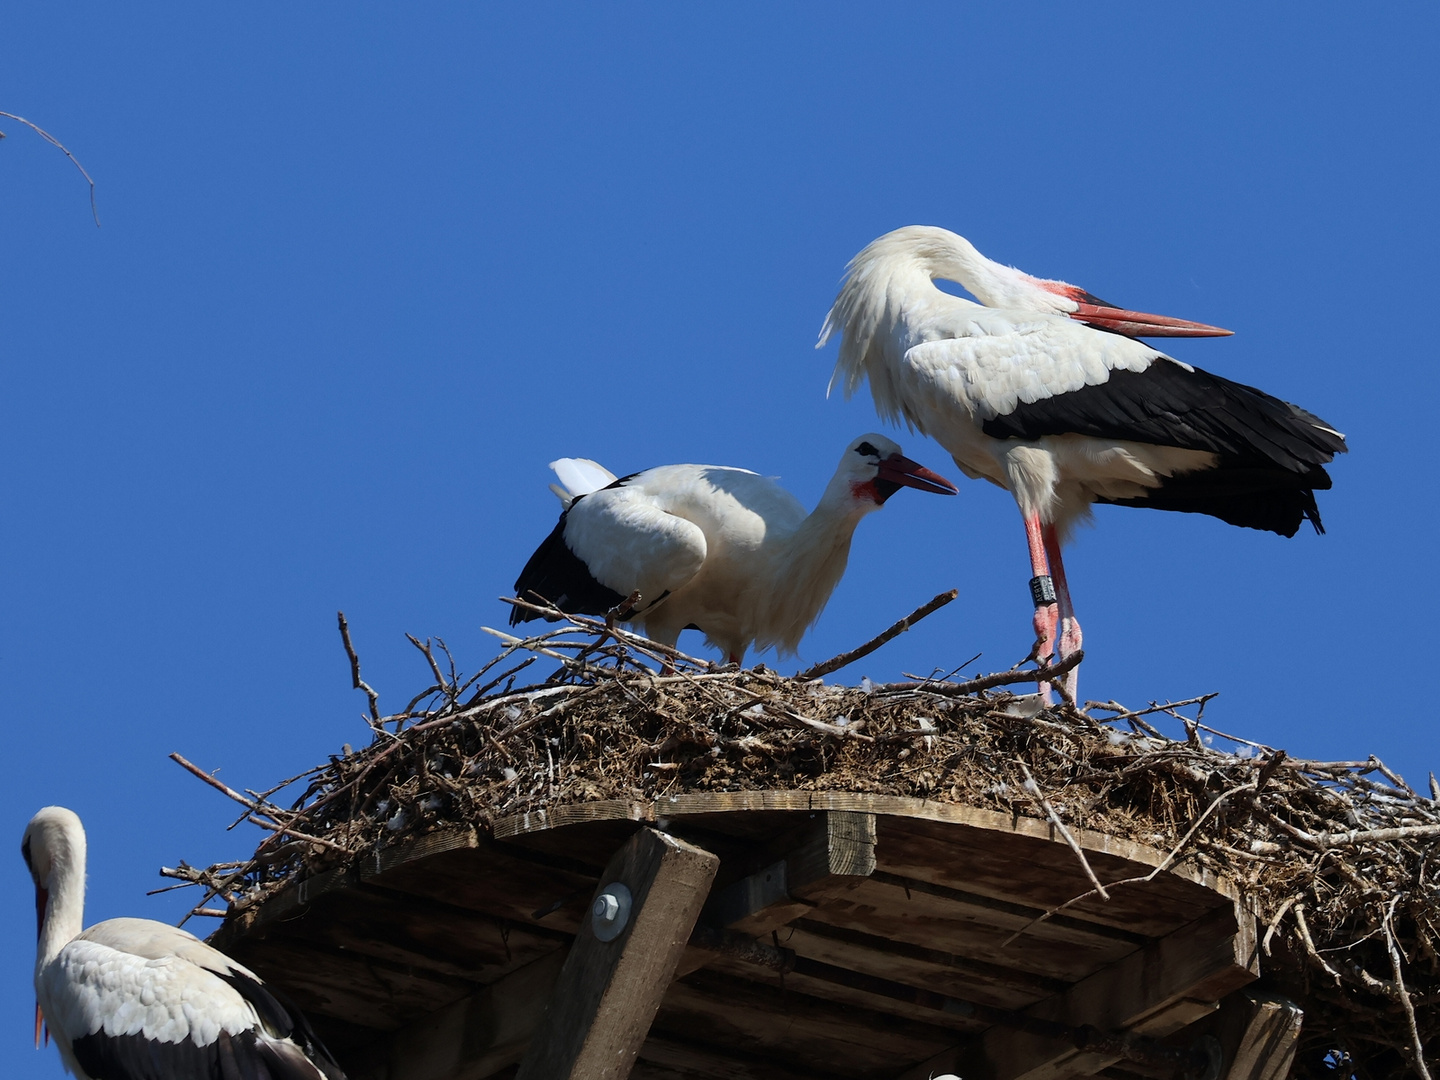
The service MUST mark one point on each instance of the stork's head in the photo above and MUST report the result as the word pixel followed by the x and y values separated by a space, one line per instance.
pixel 54 835
pixel 943 254
pixel 872 469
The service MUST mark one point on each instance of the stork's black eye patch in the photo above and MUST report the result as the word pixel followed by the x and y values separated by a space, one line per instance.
pixel 25 851
pixel 866 450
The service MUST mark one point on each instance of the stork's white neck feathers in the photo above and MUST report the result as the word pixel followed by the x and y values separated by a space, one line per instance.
pixel 807 565
pixel 60 836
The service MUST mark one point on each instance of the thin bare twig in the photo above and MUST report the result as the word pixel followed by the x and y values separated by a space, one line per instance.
pixel 94 211
pixel 895 630
pixel 1417 1046
pixel 359 683
pixel 230 792
pixel 1034 789
pixel 989 682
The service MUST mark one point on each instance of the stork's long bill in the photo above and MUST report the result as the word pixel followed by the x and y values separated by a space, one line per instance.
pixel 1092 311
pixel 897 471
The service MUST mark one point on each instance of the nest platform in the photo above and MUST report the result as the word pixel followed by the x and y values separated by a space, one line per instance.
pixel 883 922
pixel 882 882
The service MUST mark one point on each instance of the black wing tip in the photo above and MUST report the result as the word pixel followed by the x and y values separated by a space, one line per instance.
pixel 1267 498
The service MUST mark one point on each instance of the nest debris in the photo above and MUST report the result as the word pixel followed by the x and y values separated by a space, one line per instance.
pixel 1334 857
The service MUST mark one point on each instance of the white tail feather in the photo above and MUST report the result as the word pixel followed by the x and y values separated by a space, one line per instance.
pixel 580 476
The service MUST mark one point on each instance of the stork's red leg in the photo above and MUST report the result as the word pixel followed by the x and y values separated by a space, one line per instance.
pixel 1070 637
pixel 1042 591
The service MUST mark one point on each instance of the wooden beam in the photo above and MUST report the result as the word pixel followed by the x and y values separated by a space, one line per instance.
pixel 838 852
pixel 609 991
pixel 1258 1035
pixel 707 1063
pixel 1154 991
pixel 476 1036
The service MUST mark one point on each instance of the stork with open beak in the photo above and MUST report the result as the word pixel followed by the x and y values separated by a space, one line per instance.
pixel 710 547
pixel 132 999
pixel 1041 389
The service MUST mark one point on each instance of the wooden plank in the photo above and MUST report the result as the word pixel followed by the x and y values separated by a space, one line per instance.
pixel 1154 992
pixel 495 881
pixel 840 993
pixel 920 965
pixel 881 909
pixel 1003 914
pixel 661 1059
pixel 358 989
pixel 772 1020
pixel 1041 874
pixel 472 1038
pixel 1259 1034
pixel 608 991
pixel 677 808
pixel 419 933
pixel 837 853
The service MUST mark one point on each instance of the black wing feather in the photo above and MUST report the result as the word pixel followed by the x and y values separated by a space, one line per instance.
pixel 281 1019
pixel 559 576
pixel 1166 405
pixel 1269 453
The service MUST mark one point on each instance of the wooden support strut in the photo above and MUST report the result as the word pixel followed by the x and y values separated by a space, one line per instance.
pixel 489 1030
pixel 609 990
pixel 1154 992
pixel 1259 1035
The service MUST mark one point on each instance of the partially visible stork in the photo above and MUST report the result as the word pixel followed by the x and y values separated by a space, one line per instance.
pixel 1043 391
pixel 709 547
pixel 132 999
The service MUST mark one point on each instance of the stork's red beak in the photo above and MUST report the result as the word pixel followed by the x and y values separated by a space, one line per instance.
pixel 906 473
pixel 1140 324
pixel 42 898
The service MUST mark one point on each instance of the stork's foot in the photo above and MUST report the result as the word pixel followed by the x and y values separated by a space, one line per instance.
pixel 1070 642
pixel 1046 617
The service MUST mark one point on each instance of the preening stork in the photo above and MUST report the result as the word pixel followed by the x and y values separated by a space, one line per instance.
pixel 1040 388
pixel 132 999
pixel 709 547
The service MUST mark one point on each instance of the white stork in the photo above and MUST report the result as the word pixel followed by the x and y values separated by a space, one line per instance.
pixel 132 999
pixel 709 547
pixel 1043 391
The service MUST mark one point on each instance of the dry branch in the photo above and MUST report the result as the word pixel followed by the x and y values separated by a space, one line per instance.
pixel 356 681
pixel 94 210
pixel 894 631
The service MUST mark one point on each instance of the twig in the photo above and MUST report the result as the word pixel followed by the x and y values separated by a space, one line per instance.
pixel 1034 789
pixel 356 681
pixel 1364 836
pixel 988 682
pixel 837 662
pixel 1195 827
pixel 1309 943
pixel 94 212
pixel 1417 1047
pixel 285 831
pixel 596 626
pixel 1270 930
pixel 218 786
pixel 430 659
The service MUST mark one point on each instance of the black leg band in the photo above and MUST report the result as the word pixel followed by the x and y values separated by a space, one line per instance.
pixel 1042 590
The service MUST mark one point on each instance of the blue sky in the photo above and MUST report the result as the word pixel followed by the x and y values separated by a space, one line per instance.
pixel 364 271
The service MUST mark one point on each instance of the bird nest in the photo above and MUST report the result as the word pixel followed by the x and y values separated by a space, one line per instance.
pixel 1333 857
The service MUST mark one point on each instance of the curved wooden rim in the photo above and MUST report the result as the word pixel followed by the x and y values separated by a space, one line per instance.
pixel 901 806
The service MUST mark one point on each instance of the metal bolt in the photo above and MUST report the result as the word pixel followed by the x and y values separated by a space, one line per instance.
pixel 610 912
